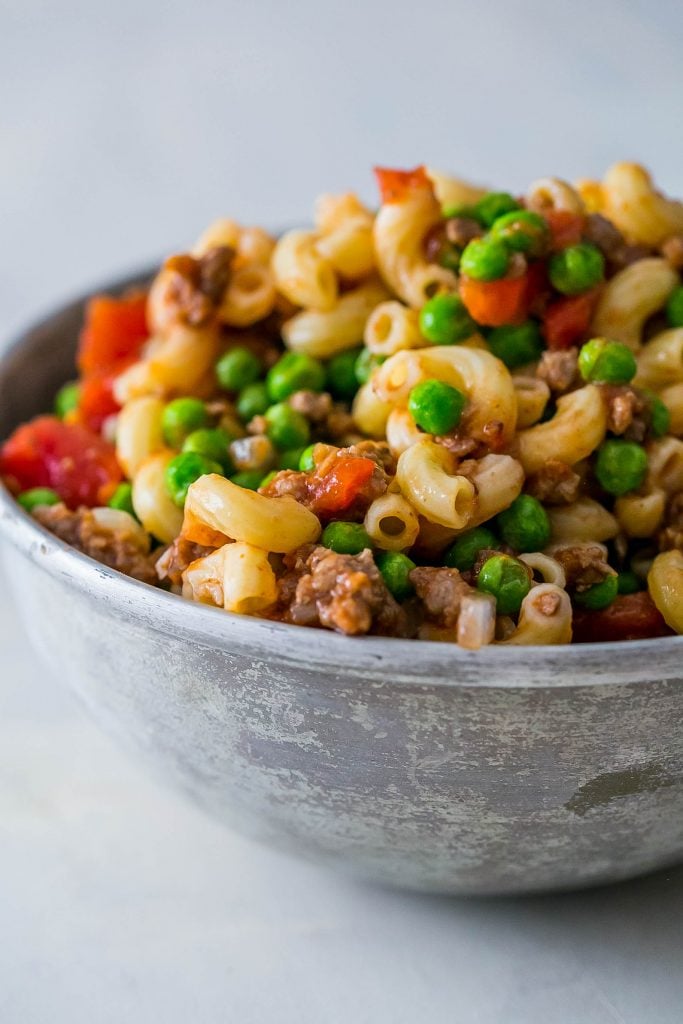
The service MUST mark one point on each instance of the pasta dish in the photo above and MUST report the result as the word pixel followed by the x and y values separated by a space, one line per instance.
pixel 455 417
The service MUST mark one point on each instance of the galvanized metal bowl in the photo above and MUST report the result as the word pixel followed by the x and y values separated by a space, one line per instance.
pixel 417 764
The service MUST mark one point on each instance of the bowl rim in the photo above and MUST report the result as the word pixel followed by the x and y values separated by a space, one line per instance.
pixel 389 659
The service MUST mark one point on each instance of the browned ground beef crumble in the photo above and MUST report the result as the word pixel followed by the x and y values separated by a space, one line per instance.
pixel 81 530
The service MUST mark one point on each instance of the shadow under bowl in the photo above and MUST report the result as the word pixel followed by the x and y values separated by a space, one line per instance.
pixel 508 770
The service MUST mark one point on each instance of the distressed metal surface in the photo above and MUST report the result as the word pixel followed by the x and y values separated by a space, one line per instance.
pixel 417 764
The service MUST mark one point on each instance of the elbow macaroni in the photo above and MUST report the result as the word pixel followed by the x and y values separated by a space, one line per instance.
pixel 665 584
pixel 399 231
pixel 576 430
pixel 632 296
pixel 302 274
pixel 424 476
pixel 324 334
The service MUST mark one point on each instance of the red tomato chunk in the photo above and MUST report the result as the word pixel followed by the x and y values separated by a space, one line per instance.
pixel 629 617
pixel 567 321
pixel 115 330
pixel 76 463
pixel 341 484
pixel 566 228
pixel 395 186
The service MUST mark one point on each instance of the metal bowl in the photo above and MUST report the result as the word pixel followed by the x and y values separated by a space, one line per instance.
pixel 417 764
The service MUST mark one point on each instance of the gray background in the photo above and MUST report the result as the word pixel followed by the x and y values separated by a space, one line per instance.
pixel 124 129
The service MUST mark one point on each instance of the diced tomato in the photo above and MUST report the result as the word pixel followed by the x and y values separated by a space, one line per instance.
pixel 566 228
pixel 494 303
pixel 336 490
pixel 395 186
pixel 537 287
pixel 78 464
pixel 629 617
pixel 115 329
pixel 567 321
pixel 96 401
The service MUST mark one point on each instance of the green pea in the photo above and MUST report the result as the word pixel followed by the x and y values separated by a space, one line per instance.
pixel 607 362
pixel 628 582
pixel 517 344
pixel 291 458
pixel 183 470
pixel 252 401
pixel 435 406
pixel 122 499
pixel 340 374
pixel 660 416
pixel 600 595
pixel 467 210
pixel 494 205
pixel 620 466
pixel 507 579
pixel 522 231
pixel 238 368
pixel 37 496
pixel 286 427
pixel 294 371
pixel 345 538
pixel 251 479
pixel 462 554
pixel 307 460
pixel 576 269
pixel 67 398
pixel 396 568
pixel 366 364
pixel 525 525
pixel 180 417
pixel 485 259
pixel 444 320
pixel 674 307
pixel 213 444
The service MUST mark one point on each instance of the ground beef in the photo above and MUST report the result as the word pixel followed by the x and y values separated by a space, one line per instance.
pixel 626 411
pixel 671 534
pixel 257 425
pixel 195 287
pixel 341 592
pixel 291 482
pixel 493 435
pixel 461 230
pixel 558 369
pixel 547 604
pixel 555 483
pixel 340 425
pixel 672 251
pixel 117 549
pixel 617 251
pixel 176 558
pixel 315 406
pixel 441 592
pixel 378 451
pixel 584 564
pixel 603 233
pixel 434 242
pixel 459 445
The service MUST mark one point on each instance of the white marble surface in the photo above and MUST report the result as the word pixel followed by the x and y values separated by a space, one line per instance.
pixel 123 129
